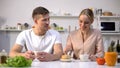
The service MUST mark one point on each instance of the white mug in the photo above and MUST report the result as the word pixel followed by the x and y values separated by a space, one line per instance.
pixel 84 57
pixel 35 52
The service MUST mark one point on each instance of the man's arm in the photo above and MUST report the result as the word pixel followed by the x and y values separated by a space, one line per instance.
pixel 16 51
pixel 58 51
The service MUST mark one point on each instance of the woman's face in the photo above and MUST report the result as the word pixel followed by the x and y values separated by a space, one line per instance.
pixel 84 23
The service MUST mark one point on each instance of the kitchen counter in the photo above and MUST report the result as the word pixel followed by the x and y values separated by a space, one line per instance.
pixel 71 64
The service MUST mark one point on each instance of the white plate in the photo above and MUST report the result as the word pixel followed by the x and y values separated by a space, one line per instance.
pixel 65 60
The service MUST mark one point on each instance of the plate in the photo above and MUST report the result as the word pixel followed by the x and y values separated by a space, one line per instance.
pixel 65 60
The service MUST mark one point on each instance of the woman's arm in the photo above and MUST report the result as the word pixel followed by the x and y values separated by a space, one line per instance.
pixel 100 46
pixel 99 49
pixel 68 46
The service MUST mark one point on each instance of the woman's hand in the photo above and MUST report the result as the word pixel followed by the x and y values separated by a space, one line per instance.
pixel 29 55
pixel 92 57
pixel 67 50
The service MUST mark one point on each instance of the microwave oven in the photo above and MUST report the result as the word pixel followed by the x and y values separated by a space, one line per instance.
pixel 110 26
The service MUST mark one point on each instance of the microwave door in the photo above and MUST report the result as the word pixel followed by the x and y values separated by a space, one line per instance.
pixel 108 26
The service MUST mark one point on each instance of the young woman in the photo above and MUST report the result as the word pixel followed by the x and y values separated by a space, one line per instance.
pixel 85 40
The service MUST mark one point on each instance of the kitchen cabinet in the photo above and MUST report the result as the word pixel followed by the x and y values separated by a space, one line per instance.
pixel 7 39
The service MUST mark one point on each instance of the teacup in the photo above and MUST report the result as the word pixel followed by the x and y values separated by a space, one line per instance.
pixel 84 57
pixel 35 52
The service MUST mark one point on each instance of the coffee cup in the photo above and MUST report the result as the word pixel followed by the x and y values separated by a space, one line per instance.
pixel 84 57
pixel 35 52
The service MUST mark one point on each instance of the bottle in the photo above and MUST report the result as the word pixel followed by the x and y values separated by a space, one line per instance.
pixel 118 47
pixel 3 56
pixel 118 59
pixel 118 50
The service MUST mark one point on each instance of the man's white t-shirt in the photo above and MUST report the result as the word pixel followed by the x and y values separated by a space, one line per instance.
pixel 39 43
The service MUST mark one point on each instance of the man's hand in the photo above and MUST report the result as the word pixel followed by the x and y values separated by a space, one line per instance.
pixel 29 55
pixel 43 56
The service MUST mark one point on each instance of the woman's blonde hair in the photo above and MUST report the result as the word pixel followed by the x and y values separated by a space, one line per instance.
pixel 89 13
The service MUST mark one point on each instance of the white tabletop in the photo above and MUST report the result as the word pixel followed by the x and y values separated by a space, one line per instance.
pixel 72 64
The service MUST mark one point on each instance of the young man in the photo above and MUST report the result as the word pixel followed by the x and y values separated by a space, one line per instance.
pixel 46 42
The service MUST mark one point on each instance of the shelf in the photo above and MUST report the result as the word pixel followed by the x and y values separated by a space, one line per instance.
pixel 11 30
pixel 109 17
pixel 67 16
pixel 61 30
pixel 111 34
pixel 14 30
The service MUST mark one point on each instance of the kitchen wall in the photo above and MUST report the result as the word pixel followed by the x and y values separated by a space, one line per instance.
pixel 14 11
pixel 19 11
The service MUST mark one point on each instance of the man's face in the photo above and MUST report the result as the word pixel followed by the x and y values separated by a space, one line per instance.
pixel 43 22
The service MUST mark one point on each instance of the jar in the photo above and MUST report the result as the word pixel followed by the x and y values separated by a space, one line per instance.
pixel 111 58
pixel 100 12
pixel 3 56
pixel 19 26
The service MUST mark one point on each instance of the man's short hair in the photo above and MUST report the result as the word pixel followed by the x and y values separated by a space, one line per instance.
pixel 39 11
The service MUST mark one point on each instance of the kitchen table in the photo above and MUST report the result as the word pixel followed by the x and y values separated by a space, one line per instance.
pixel 71 64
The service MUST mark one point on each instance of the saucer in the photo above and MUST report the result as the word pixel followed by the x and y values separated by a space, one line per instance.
pixel 85 60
